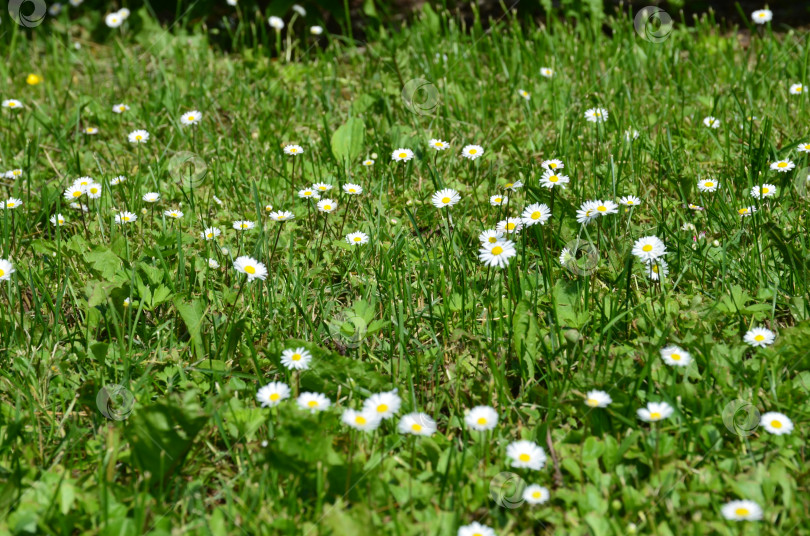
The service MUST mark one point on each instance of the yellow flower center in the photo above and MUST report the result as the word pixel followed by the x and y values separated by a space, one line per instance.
pixel 655 416
pixel 191 118
pixel 553 178
pixel 509 184
pixel 601 208
pixel 511 226
pixel 327 207
pixel 416 427
pixel 244 226
pixel 312 403
pixel 139 137
pixel 126 218
pixel 482 421
pixel 472 151
pixel 352 190
pixel 296 357
pixel 498 199
pixel 781 164
pixel 61 221
pixel 382 408
pixel 524 458
pixel 647 248
pixel 553 165
pixel 10 204
pixel 275 396
pixel 776 424
pixel 655 270
pixel 250 270
pixel 279 217
pixel 492 239
pixel 709 185
pixel 741 511
pixel 537 495
pixel 403 155
pixel 292 150
pixel 77 193
pixel 629 201
pixel 536 215
pixel 765 190
pixel 592 402
pixel 210 235
pixel 497 250
pixel 360 419
pixel 445 199
pixel 675 357
pixel 93 190
pixel 759 338
pixel 743 211
pixel 2 272
pixel 357 239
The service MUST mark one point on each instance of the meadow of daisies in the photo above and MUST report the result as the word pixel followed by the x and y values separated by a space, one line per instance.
pixel 452 276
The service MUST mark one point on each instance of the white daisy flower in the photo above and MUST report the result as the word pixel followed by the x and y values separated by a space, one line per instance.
pixel 419 424
pixel 742 510
pixel 120 108
pixel 93 190
pixel 243 225
pixel 655 411
pixel 78 206
pixel 138 136
pixel 368 162
pixel 91 130
pixel 151 197
pixel 566 257
pixel 272 394
pixel 512 186
pixel 322 186
pixel 313 402
pixel 472 151
pixel 74 192
pixel 708 185
pixel 490 236
pixel 760 337
pixel 12 104
pixel 550 179
pixel 282 215
pixel 587 212
pixel 118 180
pixel 546 72
pixel 782 166
pixel 14 174
pixel 293 150
pixel 649 248
pixel 630 134
pixel 11 203
pixel 352 189
pixel 210 233
pixel 475 529
pixel 439 145
pixel 675 356
pixel 191 118
pixel 804 147
pixel 509 225
pixel 525 94
pixel 658 269
pixel 796 89
pixel 6 269
pixel 296 359
pixel 552 164
pixel 776 423
pixel 327 205
pixel 481 418
pixel 711 122
pixel 316 30
pixel 124 13
pixel 498 200
pixel 402 155
pixel 597 399
pixel 445 198
pixel 213 264
pixel 58 220
pixel 630 201
pixel 385 405
pixel 766 190
pixel 536 213
pixel 276 23
pixel 218 201
pixel 250 267
pixel 746 211
pixel 357 239
pixel 535 494
pixel 761 16
pixel 308 193
pixel 113 20
pixel 603 208
pixel 125 217
pixel 596 115
pixel 361 420
pixel 526 455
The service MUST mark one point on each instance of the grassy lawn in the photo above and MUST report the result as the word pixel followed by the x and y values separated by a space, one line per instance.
pixel 549 278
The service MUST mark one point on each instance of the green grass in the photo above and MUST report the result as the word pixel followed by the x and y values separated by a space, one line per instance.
pixel 413 309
